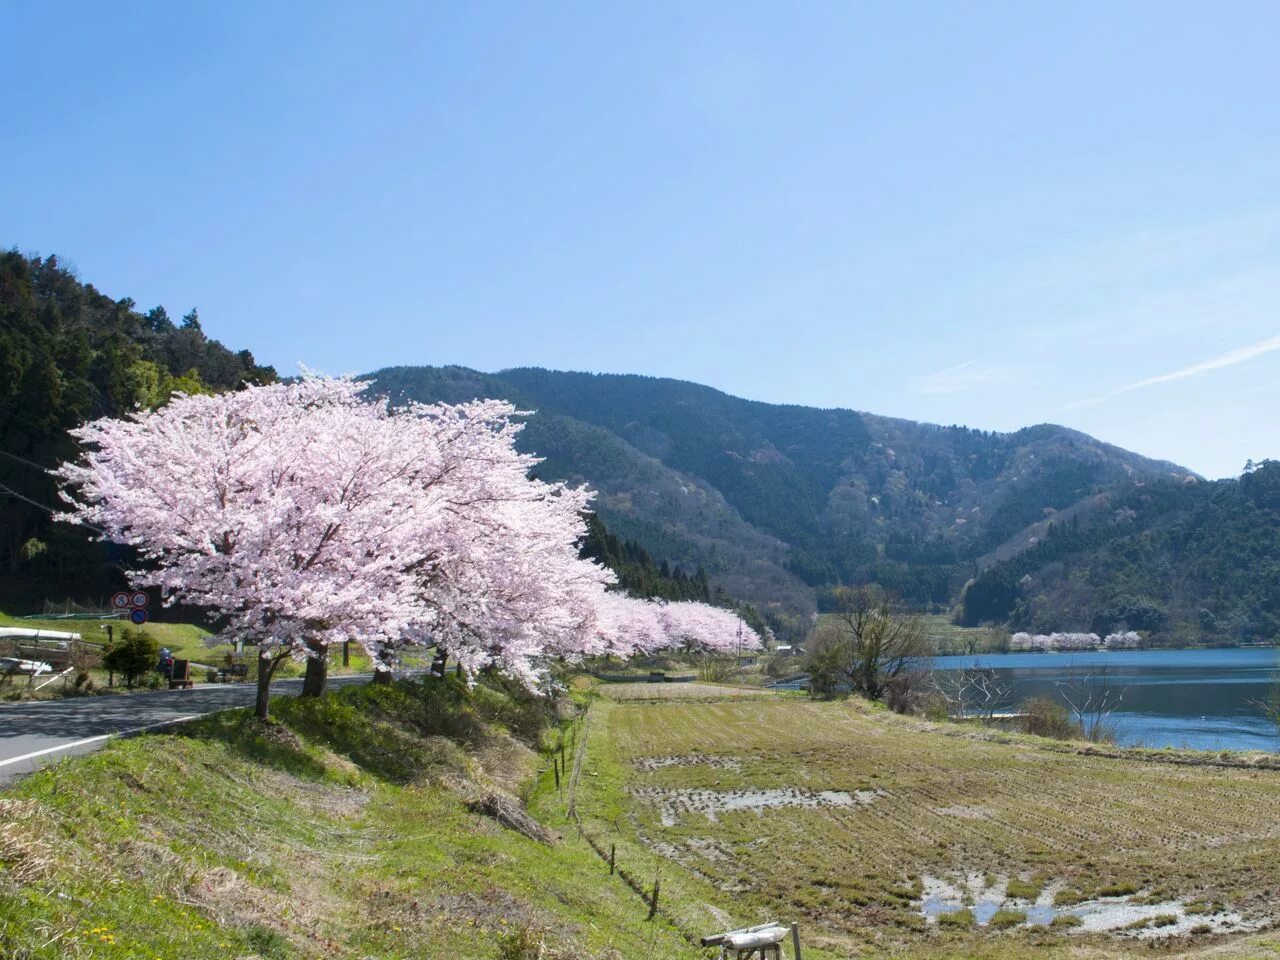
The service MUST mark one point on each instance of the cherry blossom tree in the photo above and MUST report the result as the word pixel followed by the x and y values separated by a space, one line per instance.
pixel 628 626
pixel 305 515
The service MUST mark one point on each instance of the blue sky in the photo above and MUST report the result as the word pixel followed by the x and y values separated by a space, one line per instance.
pixel 991 214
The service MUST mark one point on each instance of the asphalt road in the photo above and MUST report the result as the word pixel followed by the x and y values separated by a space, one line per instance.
pixel 37 733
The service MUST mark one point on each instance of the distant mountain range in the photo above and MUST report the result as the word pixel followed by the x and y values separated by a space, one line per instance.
pixel 705 494
pixel 778 502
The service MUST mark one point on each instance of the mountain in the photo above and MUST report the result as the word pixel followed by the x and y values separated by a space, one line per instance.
pixel 1187 561
pixel 776 502
pixel 1041 529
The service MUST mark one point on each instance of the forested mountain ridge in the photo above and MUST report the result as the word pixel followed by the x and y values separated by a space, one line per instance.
pixel 678 517
pixel 779 501
pixel 1185 561
pixel 68 354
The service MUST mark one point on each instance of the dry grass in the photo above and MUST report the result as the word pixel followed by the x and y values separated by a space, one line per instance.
pixel 947 806
pixel 24 855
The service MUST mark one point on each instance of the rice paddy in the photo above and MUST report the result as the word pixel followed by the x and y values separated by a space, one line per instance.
pixel 889 836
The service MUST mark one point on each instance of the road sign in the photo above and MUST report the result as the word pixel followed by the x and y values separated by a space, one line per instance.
pixel 120 600
pixel 139 599
pixel 138 616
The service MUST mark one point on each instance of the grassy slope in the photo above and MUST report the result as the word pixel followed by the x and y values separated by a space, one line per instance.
pixel 954 803
pixel 340 832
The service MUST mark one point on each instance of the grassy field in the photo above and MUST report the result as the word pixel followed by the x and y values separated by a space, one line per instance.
pixel 912 806
pixel 680 691
pixel 949 638
pixel 342 831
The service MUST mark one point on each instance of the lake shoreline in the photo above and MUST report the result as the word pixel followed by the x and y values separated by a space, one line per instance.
pixel 1197 698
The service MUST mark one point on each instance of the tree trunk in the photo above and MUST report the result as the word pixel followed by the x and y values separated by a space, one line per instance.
pixel 317 672
pixel 266 668
pixel 438 662
pixel 381 676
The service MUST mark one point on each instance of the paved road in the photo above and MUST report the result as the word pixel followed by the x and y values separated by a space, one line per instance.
pixel 33 734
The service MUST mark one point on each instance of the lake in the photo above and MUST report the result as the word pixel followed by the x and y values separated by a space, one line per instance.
pixel 1171 698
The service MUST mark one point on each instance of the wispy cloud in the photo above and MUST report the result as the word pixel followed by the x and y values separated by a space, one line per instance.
pixel 957 379
pixel 1228 359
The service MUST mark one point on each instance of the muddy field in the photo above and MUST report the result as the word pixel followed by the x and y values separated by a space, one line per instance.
pixel 890 836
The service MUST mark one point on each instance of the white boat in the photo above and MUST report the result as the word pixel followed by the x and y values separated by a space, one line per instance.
pixel 32 668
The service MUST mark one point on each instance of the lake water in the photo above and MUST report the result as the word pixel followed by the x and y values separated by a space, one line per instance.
pixel 1171 698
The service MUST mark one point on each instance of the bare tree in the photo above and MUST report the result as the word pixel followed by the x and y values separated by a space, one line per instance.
pixel 1092 698
pixel 1269 705
pixel 716 667
pixel 972 692
pixel 867 644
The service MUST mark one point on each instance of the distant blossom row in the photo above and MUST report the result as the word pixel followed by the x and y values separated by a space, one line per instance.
pixel 1074 641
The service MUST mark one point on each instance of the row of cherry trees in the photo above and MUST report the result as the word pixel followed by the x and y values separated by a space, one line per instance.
pixel 307 514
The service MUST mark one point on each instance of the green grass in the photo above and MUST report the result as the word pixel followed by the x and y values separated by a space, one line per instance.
pixel 1024 889
pixel 1117 890
pixel 1003 919
pixel 339 830
pixel 944 803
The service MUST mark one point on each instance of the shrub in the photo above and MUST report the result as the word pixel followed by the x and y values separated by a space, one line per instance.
pixel 1046 717
pixel 132 656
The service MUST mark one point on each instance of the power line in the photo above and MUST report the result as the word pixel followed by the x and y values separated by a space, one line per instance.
pixel 29 463
pixel 4 489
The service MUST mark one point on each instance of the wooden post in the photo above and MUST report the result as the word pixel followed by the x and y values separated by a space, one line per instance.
pixel 555 765
pixel 613 852
pixel 795 940
pixel 653 903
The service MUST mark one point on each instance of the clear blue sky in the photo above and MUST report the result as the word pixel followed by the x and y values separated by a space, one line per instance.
pixel 987 214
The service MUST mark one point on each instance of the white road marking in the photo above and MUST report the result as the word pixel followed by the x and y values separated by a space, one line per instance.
pixel 97 739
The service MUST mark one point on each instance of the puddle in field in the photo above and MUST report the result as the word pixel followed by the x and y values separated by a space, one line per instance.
pixel 1127 916
pixel 712 802
pixel 650 764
